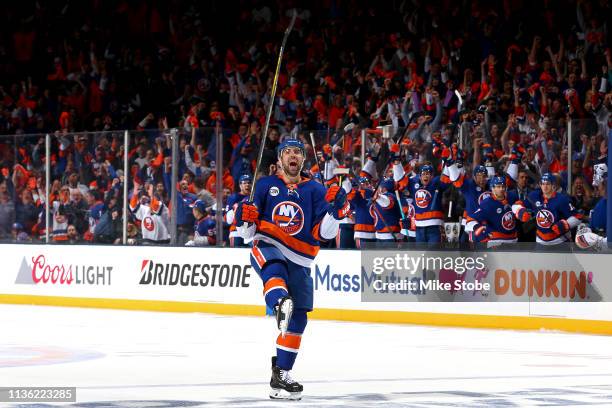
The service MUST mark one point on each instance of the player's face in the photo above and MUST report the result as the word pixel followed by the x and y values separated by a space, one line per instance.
pixel 547 187
pixel 292 160
pixel 499 191
pixel 481 179
pixel 245 187
pixel 365 185
pixel 426 177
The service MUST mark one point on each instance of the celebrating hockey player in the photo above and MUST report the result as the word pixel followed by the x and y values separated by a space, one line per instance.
pixel 386 212
pixel 555 215
pixel 474 190
pixel 426 191
pixel 364 221
pixel 289 216
pixel 496 217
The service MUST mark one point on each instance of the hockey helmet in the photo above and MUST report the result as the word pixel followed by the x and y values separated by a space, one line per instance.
pixel 287 143
pixel 388 184
pixel 200 206
pixel 480 169
pixel 498 181
pixel 547 178
pixel 245 178
pixel 426 168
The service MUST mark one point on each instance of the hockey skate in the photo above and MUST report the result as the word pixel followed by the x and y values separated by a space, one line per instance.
pixel 283 386
pixel 283 311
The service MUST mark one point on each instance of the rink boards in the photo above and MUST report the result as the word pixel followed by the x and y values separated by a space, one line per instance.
pixel 221 280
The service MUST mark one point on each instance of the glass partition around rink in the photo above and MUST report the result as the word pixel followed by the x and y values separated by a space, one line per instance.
pixel 22 183
pixel 175 193
pixel 160 187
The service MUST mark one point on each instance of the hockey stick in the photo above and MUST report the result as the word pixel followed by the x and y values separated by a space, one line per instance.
pixel 401 210
pixel 271 104
pixel 314 149
pixel 341 171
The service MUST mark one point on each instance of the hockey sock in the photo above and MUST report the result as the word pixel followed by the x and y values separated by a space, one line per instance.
pixel 275 283
pixel 287 347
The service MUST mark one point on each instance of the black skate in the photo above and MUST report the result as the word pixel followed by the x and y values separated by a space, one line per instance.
pixel 282 386
pixel 284 310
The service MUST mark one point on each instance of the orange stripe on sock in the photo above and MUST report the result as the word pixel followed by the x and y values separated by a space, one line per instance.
pixel 274 283
pixel 290 341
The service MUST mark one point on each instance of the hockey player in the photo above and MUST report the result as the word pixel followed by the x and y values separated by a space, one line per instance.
pixel 496 217
pixel 474 190
pixel 426 191
pixel 290 215
pixel 555 216
pixel 205 228
pixel 598 217
pixel 359 199
pixel 244 183
pixel 385 209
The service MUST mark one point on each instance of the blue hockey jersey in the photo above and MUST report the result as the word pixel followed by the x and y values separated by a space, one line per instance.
pixel 386 217
pixel 550 211
pixel 364 214
pixel 498 217
pixel 427 198
pixel 473 195
pixel 205 228
pixel 230 208
pixel 598 217
pixel 290 216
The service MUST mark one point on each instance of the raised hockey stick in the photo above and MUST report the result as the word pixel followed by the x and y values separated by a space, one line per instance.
pixel 314 150
pixel 341 171
pixel 401 210
pixel 271 104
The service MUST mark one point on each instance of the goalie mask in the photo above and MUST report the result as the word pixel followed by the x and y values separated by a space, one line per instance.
pixel 600 173
pixel 451 230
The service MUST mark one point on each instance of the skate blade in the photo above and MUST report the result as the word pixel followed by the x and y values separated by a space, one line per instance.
pixel 281 394
pixel 287 310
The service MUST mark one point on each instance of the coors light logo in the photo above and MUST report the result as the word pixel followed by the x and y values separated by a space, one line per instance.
pixel 45 272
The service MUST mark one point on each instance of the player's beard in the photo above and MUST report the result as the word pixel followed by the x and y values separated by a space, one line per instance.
pixel 292 168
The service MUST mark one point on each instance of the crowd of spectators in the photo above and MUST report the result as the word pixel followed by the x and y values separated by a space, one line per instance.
pixel 490 75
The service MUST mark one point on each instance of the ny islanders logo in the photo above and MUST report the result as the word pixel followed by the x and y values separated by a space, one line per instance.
pixel 373 214
pixel 484 195
pixel 507 221
pixel 411 211
pixel 544 218
pixel 422 198
pixel 148 223
pixel 289 217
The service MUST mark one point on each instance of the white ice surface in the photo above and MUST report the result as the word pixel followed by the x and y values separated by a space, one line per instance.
pixel 149 359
